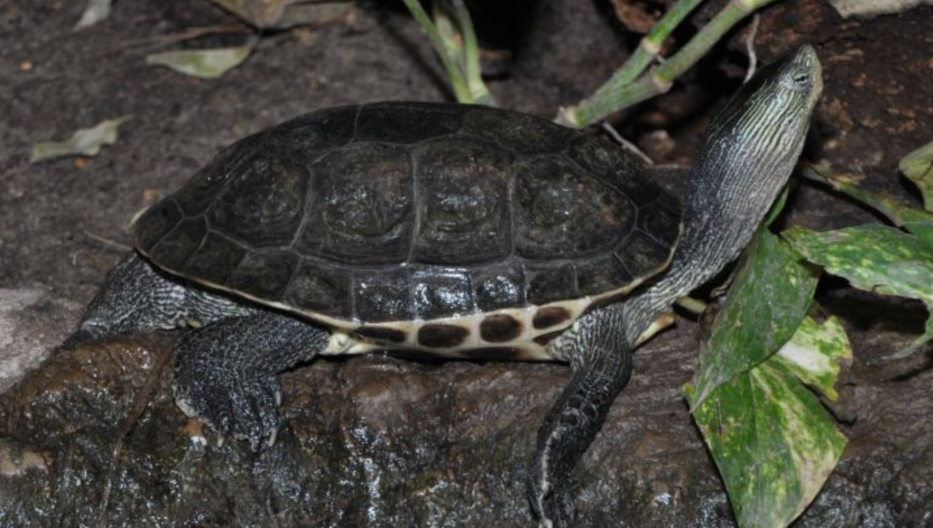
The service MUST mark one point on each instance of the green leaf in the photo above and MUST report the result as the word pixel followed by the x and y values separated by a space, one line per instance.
pixel 777 206
pixel 873 257
pixel 767 302
pixel 918 167
pixel 773 442
pixel 87 141
pixel 206 63
pixel 876 258
pixel 814 354
pixel 917 221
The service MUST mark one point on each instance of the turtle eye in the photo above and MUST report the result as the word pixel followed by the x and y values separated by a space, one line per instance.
pixel 801 79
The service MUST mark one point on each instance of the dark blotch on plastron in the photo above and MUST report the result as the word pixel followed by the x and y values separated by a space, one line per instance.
pixel 442 335
pixel 264 276
pixel 603 274
pixel 382 295
pixel 321 289
pixel 499 328
pixel 495 353
pixel 548 282
pixel 380 334
pixel 155 223
pixel 401 123
pixel 175 247
pixel 215 260
pixel 550 316
pixel 641 255
pixel 544 339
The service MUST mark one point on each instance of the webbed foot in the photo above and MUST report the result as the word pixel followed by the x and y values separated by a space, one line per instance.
pixel 241 405
pixel 551 503
pixel 226 373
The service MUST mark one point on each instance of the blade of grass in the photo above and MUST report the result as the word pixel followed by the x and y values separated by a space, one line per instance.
pixel 457 81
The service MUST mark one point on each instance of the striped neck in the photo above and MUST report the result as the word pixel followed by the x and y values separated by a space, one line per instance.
pixel 751 149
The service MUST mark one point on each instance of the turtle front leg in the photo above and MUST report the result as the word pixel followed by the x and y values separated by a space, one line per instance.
pixel 226 372
pixel 601 360
pixel 138 297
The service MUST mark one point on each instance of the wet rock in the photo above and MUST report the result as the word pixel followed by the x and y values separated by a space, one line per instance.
pixel 94 437
pixel 32 321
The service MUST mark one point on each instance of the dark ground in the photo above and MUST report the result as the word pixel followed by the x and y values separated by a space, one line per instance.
pixel 376 441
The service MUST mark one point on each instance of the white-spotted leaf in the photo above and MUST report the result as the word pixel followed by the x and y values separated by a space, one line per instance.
pixel 816 353
pixel 875 258
pixel 768 300
pixel 917 221
pixel 773 442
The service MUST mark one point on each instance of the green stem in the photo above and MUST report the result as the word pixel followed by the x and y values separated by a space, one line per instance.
pixel 474 76
pixel 459 85
pixel 616 95
pixel 650 45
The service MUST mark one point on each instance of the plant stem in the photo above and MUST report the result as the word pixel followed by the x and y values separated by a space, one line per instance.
pixel 474 77
pixel 650 45
pixel 457 82
pixel 623 90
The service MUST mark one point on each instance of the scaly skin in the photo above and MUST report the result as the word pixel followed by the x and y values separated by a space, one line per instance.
pixel 750 152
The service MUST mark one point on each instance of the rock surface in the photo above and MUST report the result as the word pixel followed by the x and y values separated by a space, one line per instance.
pixel 92 437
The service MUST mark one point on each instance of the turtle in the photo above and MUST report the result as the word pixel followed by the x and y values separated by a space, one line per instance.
pixel 455 230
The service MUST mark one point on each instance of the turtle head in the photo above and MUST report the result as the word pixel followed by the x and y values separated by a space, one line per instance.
pixel 751 149
pixel 762 129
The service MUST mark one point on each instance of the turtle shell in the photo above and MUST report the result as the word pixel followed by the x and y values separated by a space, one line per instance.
pixel 400 212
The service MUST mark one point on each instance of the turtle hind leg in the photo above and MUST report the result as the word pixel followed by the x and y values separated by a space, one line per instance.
pixel 137 297
pixel 600 358
pixel 226 372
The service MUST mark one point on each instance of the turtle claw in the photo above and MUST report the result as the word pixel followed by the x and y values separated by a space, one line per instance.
pixel 554 508
pixel 244 406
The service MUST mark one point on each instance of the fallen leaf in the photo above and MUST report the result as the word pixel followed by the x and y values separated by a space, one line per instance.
pixel 205 63
pixel 87 141
pixel 96 11
pixel 870 8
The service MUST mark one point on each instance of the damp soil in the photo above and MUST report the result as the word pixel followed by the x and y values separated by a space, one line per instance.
pixel 91 437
